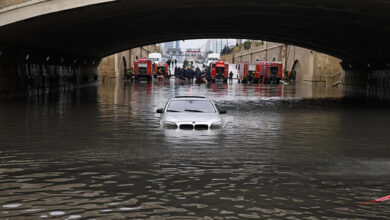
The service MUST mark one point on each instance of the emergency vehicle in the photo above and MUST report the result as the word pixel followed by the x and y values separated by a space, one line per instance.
pixel 212 58
pixel 261 71
pixel 143 69
pixel 242 72
pixel 255 70
pixel 219 71
pixel 155 57
pixel 272 72
pixel 161 68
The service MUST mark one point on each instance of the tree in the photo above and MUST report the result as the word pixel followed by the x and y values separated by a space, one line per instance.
pixel 247 45
pixel 226 50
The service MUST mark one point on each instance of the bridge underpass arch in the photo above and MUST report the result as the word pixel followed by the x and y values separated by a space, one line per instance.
pixel 122 67
pixel 297 68
pixel 113 26
pixel 90 32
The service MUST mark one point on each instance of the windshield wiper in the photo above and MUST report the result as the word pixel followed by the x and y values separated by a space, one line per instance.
pixel 172 111
pixel 192 110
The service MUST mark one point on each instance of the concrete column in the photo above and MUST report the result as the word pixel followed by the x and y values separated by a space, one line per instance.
pixel 250 55
pixel 310 74
pixel 117 63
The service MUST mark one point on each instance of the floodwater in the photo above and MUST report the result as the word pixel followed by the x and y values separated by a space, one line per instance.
pixel 286 152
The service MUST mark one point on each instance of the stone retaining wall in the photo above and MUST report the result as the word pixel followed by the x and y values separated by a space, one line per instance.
pixel 310 65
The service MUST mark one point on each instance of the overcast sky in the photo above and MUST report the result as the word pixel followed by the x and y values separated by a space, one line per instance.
pixel 193 43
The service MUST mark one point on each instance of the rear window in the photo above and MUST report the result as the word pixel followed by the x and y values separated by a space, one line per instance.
pixel 203 106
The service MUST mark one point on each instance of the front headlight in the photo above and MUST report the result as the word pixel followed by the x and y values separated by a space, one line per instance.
pixel 216 125
pixel 169 125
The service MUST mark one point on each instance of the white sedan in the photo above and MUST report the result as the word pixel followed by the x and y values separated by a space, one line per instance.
pixel 190 112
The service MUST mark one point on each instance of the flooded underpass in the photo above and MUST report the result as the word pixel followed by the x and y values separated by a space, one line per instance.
pixel 286 152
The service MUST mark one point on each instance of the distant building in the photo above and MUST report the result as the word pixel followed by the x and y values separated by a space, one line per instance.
pixel 193 54
pixel 216 45
pixel 167 46
pixel 172 49
pixel 173 52
pixel 177 44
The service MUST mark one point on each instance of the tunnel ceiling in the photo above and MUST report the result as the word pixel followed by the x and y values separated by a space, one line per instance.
pixel 356 30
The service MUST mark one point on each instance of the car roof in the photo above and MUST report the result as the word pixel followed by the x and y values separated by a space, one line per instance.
pixel 197 97
pixel 190 98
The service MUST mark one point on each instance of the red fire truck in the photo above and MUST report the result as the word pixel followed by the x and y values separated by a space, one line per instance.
pixel 249 72
pixel 272 72
pixel 219 71
pixel 242 71
pixel 254 71
pixel 143 69
pixel 161 70
pixel 261 71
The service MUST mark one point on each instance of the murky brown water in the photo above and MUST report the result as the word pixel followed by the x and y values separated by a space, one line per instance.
pixel 287 152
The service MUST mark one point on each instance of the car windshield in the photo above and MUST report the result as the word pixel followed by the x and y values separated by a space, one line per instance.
pixel 204 106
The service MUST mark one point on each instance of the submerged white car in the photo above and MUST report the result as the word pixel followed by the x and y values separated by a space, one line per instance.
pixel 190 112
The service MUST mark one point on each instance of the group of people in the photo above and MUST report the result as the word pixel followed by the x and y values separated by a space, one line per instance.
pixel 290 76
pixel 172 62
pixel 189 74
pixel 183 73
pixel 129 73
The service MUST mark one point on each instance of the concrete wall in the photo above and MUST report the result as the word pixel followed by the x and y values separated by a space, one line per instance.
pixel 302 60
pixel 17 10
pixel 114 66
pixel 367 83
pixel 6 3
pixel 22 76
pixel 22 69
pixel 106 66
pixel 227 58
pixel 311 66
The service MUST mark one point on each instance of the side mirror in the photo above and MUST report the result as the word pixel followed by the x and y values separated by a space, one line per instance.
pixel 160 110
pixel 222 111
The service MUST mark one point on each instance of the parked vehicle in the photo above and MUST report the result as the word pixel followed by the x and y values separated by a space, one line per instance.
pixel 189 113
pixel 219 71
pixel 155 58
pixel 254 71
pixel 143 69
pixel 212 58
pixel 272 72
pixel 242 72
pixel 161 70
pixel 261 71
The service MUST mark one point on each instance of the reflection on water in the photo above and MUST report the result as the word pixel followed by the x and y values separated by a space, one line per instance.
pixel 287 152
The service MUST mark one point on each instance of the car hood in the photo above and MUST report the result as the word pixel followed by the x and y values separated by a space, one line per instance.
pixel 190 117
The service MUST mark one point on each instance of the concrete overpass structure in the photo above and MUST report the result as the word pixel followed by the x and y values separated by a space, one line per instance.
pixel 53 35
